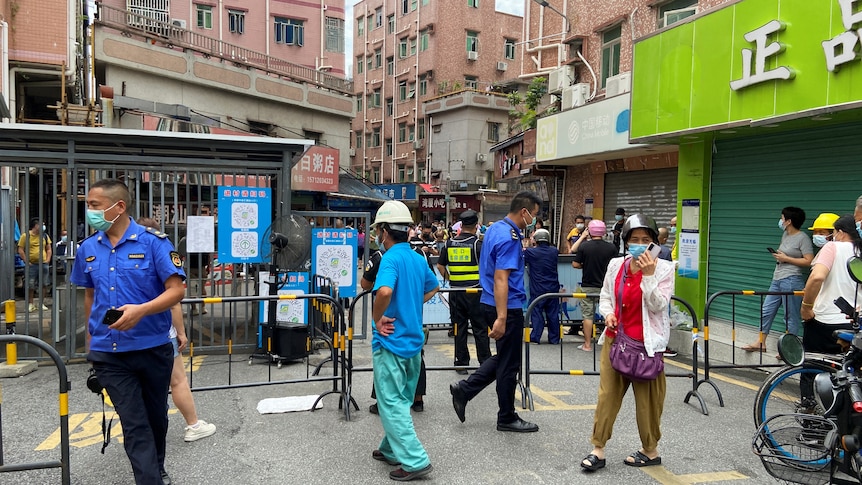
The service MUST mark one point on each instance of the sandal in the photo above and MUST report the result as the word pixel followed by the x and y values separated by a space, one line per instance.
pixel 595 463
pixel 581 347
pixel 754 348
pixel 639 460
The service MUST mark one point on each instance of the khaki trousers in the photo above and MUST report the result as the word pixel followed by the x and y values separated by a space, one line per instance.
pixel 649 403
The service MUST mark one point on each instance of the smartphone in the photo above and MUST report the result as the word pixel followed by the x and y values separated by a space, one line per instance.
pixel 111 317
pixel 771 250
pixel 654 250
pixel 845 307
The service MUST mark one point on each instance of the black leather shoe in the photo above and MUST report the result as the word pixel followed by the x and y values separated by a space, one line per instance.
pixel 166 479
pixel 518 426
pixel 459 400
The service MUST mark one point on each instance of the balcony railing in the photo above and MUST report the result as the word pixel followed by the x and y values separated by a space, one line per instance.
pixel 130 22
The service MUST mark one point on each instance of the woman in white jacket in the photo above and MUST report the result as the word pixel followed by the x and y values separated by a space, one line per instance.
pixel 646 285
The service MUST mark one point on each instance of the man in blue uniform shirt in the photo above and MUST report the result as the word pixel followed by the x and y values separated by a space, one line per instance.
pixel 404 282
pixel 501 274
pixel 132 276
pixel 544 278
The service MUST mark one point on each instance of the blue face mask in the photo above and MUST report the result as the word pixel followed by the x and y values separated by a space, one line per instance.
pixel 859 228
pixel 96 218
pixel 819 240
pixel 672 230
pixel 531 225
pixel 637 249
pixel 618 217
pixel 781 223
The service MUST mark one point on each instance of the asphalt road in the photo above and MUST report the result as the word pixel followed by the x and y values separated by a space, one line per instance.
pixel 323 448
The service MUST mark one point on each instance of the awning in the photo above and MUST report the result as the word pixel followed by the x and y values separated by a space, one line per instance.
pixel 429 188
pixel 350 187
pixel 507 143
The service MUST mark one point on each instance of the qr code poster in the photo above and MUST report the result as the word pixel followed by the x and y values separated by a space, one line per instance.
pixel 334 257
pixel 287 311
pixel 249 214
pixel 244 244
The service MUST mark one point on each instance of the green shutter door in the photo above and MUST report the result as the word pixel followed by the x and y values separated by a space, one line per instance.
pixel 651 192
pixel 752 180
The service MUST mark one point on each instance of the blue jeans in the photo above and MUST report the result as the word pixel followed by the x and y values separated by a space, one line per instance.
pixel 395 381
pixel 792 304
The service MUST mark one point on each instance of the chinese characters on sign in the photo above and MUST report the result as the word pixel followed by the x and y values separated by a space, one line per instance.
pixel 841 49
pixel 437 203
pixel 761 52
pixel 316 171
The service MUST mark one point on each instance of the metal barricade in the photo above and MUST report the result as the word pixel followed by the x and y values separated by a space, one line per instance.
pixel 63 463
pixel 707 366
pixel 524 382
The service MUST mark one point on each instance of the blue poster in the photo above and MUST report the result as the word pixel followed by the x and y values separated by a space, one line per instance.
pixel 334 255
pixel 249 214
pixel 287 311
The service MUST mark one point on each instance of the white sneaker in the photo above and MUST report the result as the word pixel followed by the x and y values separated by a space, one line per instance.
pixel 201 430
pixel 44 308
pixel 31 308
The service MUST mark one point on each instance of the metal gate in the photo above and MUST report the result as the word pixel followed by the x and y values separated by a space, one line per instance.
pixel 171 176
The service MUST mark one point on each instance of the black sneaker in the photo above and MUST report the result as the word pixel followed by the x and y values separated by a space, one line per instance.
pixel 373 409
pixel 669 352
pixel 418 406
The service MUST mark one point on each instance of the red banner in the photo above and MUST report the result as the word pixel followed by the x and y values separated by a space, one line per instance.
pixel 458 204
pixel 316 171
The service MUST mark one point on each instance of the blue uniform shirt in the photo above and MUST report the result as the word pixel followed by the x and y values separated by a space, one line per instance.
pixel 542 261
pixel 502 249
pixel 409 276
pixel 133 272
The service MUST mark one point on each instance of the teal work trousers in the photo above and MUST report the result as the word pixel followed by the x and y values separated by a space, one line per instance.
pixel 395 381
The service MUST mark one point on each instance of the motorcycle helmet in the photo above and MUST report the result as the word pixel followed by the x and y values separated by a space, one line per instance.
pixel 640 221
pixel 826 394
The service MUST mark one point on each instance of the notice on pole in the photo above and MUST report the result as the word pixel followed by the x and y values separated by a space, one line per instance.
pixel 201 234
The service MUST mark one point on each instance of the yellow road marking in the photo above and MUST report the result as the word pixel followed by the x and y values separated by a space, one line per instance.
pixel 85 429
pixel 666 477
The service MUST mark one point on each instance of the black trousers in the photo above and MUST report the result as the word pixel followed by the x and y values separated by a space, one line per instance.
pixel 138 384
pixel 502 367
pixel 464 308
pixel 817 337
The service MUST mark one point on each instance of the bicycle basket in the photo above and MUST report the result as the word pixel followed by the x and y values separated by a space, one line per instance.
pixel 793 448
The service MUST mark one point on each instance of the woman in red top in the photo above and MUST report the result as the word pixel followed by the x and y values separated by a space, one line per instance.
pixel 646 285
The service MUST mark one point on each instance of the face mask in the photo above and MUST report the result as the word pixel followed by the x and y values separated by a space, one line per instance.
pixel 532 224
pixel 781 223
pixel 44 228
pixel 819 240
pixel 580 226
pixel 859 228
pixel 637 249
pixel 64 238
pixel 96 218
pixel 618 217
pixel 672 230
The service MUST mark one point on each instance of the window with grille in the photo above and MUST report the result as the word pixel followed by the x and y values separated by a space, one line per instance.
pixel 510 48
pixel 236 21
pixel 205 16
pixel 493 132
pixel 144 12
pixel 334 34
pixel 289 31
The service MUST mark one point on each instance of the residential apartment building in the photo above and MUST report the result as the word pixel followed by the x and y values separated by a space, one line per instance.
pixel 586 55
pixel 428 78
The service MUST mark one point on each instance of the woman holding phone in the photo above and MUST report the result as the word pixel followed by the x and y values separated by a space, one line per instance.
pixel 794 253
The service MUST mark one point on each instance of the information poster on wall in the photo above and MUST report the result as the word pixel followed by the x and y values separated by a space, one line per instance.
pixel 286 311
pixel 334 255
pixel 688 239
pixel 249 214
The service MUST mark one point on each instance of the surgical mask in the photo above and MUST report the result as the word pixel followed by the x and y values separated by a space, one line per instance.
pixel 44 228
pixel 781 223
pixel 532 224
pixel 618 217
pixel 672 230
pixel 637 249
pixel 96 218
pixel 859 228
pixel 820 240
pixel 580 226
pixel 64 238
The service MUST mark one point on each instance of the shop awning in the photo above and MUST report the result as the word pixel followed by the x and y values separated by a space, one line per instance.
pixel 429 188
pixel 507 143
pixel 350 187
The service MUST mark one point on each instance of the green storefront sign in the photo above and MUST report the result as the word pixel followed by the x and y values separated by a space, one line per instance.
pixel 753 62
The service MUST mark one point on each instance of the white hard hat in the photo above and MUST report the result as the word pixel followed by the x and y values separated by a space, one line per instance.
pixel 394 213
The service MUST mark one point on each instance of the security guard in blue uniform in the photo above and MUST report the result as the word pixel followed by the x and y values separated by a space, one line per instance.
pixel 132 277
pixel 459 264
pixel 501 274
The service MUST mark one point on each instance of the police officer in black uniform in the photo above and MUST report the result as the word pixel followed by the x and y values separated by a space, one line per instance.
pixel 459 264
pixel 131 276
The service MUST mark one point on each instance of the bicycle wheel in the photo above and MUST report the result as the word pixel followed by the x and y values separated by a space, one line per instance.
pixel 779 394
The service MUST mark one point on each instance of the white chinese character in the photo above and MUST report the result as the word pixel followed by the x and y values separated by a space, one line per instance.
pixel 834 57
pixel 330 164
pixel 305 163
pixel 847 15
pixel 760 36
pixel 317 163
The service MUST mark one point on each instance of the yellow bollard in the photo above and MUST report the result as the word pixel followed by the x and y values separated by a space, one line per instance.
pixel 11 347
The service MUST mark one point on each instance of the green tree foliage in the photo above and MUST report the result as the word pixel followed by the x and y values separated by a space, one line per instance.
pixel 525 107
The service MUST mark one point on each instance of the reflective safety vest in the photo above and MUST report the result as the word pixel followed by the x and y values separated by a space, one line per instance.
pixel 463 259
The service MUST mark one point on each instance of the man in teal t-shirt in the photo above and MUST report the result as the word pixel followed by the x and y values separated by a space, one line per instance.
pixel 404 282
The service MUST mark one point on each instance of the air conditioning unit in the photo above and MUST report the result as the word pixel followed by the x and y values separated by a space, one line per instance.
pixel 619 84
pixel 502 66
pixel 575 95
pixel 417 144
pixel 482 180
pixel 472 55
pixel 560 78
pixel 480 158
pixel 352 152
pixel 430 28
pixel 181 23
